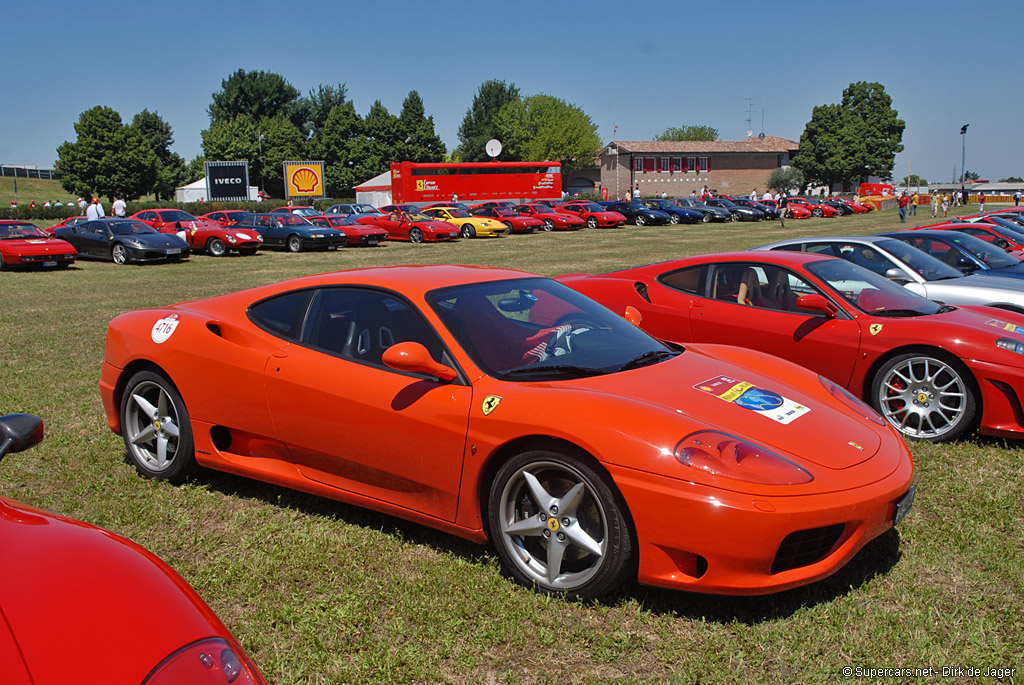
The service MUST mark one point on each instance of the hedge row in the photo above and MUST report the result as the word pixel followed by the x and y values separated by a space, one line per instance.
pixel 39 213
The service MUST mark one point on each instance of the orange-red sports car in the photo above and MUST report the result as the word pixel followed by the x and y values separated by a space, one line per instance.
pixel 494 404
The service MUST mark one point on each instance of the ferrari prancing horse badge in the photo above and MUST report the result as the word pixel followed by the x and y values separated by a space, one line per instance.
pixel 491 403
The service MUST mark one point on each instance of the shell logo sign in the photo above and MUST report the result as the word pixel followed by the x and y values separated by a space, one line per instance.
pixel 304 179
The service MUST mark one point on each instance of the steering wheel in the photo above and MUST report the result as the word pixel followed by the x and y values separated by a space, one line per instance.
pixel 552 342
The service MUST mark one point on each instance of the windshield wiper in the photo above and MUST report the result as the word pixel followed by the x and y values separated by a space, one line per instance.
pixel 559 370
pixel 898 312
pixel 648 358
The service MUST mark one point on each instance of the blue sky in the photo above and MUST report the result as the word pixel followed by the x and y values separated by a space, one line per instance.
pixel 640 66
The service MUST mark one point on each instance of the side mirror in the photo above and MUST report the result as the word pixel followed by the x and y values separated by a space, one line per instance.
pixel 412 356
pixel 19 432
pixel 632 315
pixel 816 303
pixel 894 274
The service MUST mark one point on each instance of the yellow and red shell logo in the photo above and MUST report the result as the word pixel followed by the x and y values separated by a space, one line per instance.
pixel 305 180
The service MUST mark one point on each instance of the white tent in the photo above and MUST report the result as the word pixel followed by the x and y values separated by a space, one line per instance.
pixel 196 192
pixel 376 191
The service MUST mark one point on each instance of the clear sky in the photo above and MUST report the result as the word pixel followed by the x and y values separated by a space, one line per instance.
pixel 640 66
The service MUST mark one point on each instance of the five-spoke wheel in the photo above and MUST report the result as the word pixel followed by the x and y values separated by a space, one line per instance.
pixel 156 428
pixel 119 253
pixel 558 526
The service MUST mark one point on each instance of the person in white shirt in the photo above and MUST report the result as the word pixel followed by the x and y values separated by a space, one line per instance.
pixel 94 210
pixel 753 195
pixel 767 196
pixel 118 208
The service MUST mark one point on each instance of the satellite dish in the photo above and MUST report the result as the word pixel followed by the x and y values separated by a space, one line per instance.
pixel 493 147
pixel 761 135
pixel 749 134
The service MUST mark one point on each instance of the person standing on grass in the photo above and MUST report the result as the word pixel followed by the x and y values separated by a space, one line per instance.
pixel 903 202
pixel 913 204
pixel 94 211
pixel 981 202
pixel 945 205
pixel 782 209
pixel 935 205
pixel 119 208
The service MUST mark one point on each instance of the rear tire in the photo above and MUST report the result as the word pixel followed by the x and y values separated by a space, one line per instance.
pixel 156 428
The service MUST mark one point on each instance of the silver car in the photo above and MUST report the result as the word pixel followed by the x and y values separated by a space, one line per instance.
pixel 916 270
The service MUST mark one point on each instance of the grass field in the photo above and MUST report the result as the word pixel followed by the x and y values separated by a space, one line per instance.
pixel 38 189
pixel 321 592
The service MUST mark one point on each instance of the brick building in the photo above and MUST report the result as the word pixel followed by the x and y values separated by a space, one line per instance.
pixel 678 168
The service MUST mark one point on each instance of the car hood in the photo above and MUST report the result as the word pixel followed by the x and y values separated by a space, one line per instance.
pixel 77 600
pixel 163 240
pixel 36 246
pixel 979 280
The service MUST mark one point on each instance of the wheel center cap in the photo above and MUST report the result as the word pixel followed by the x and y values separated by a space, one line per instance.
pixel 553 524
pixel 156 425
pixel 922 397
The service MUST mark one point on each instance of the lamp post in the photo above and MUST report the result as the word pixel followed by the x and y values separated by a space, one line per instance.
pixel 963 158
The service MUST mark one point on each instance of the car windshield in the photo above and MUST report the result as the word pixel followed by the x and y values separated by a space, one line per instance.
pixel 417 216
pixel 291 220
pixel 869 292
pixel 725 203
pixel 305 211
pixel 458 213
pixel 991 255
pixel 503 211
pixel 929 268
pixel 130 227
pixel 365 209
pixel 246 218
pixel 20 231
pixel 534 329
pixel 341 221
pixel 589 206
pixel 175 215
pixel 1007 229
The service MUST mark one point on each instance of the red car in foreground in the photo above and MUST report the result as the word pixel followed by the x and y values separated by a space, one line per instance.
pixel 79 604
pixel 358 234
pixel 934 372
pixel 201 234
pixel 498 405
pixel 25 244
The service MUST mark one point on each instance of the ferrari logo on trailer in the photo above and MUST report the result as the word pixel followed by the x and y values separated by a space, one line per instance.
pixel 491 403
pixel 875 328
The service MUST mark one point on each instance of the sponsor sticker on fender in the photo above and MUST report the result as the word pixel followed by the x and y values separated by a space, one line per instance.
pixel 744 394
pixel 164 328
pixel 1012 328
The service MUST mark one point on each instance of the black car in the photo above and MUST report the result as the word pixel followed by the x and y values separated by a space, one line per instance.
pixel 736 212
pixel 676 213
pixel 708 214
pixel 293 232
pixel 965 253
pixel 637 214
pixel 769 212
pixel 122 241
pixel 840 207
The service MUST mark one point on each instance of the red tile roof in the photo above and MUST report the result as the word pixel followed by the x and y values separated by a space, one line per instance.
pixel 768 144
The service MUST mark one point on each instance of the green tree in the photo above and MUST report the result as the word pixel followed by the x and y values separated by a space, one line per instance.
pixel 108 159
pixel 914 180
pixel 336 146
pixel 689 132
pixel 786 180
pixel 543 127
pixel 1012 179
pixel 971 176
pixel 320 103
pixel 377 147
pixel 420 143
pixel 259 95
pixel 171 171
pixel 823 156
pixel 478 125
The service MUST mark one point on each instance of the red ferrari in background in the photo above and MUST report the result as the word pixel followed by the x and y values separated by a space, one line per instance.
pixel 25 244
pixel 551 220
pixel 358 234
pixel 70 221
pixel 517 223
pixel 1008 241
pixel 227 217
pixel 79 604
pixel 497 405
pixel 594 214
pixel 201 234
pixel 792 211
pixel 416 227
pixel 934 372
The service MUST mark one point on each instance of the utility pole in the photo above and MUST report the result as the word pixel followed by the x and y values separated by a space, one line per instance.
pixel 963 160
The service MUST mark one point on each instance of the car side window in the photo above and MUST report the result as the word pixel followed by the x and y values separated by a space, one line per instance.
pixel 761 286
pixel 359 324
pixel 689 280
pixel 282 315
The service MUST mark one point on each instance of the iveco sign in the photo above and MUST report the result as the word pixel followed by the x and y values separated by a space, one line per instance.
pixel 227 181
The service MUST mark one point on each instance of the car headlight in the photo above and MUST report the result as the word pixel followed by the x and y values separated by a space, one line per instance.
pixel 852 401
pixel 1011 345
pixel 721 454
pixel 318 235
pixel 211 661
pixel 231 239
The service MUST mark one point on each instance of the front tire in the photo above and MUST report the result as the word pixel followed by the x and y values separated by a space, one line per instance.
pixel 705 218
pixel 549 225
pixel 468 231
pixel 119 254
pixel 734 217
pixel 925 396
pixel 591 222
pixel 294 243
pixel 415 235
pixel 639 220
pixel 156 428
pixel 558 526
pixel 818 212
pixel 216 247
pixel 673 219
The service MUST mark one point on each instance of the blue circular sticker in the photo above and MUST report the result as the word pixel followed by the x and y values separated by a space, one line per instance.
pixel 759 400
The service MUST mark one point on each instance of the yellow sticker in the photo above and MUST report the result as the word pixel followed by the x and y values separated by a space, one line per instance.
pixel 553 524
pixel 735 391
pixel 853 444
pixel 875 328
pixel 491 403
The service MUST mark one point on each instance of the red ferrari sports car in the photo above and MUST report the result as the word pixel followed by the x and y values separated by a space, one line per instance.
pixel 934 372
pixel 70 221
pixel 792 211
pixel 856 207
pixel 1008 241
pixel 227 217
pixel 25 244
pixel 494 404
pixel 79 604
pixel 816 208
pixel 594 214
pixel 552 220
pixel 416 227
pixel 358 234
pixel 201 234
pixel 517 223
